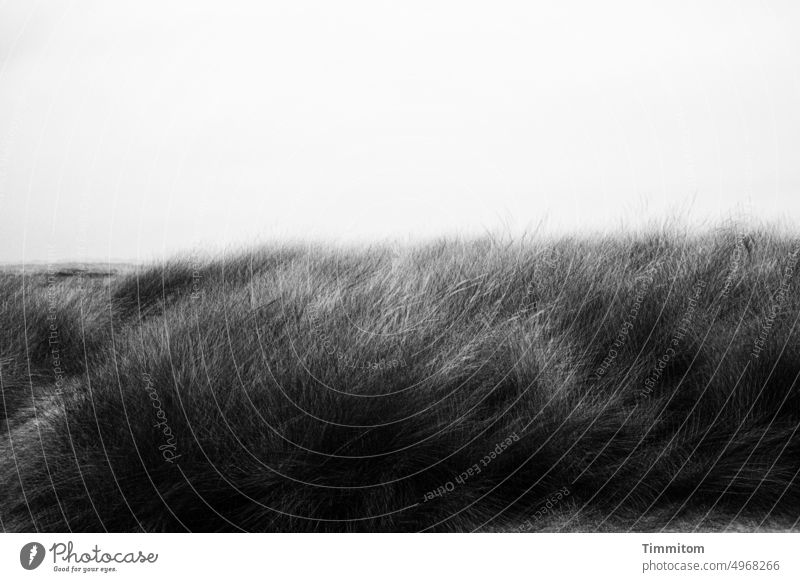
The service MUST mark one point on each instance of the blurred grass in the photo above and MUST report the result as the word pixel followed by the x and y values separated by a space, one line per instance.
pixel 314 389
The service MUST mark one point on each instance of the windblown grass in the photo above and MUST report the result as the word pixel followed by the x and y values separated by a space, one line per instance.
pixel 653 377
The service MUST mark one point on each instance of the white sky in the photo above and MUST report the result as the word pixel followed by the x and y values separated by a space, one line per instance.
pixel 132 130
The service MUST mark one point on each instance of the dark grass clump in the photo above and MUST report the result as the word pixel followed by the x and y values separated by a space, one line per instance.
pixel 453 386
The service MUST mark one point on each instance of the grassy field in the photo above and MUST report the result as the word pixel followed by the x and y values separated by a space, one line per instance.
pixel 641 382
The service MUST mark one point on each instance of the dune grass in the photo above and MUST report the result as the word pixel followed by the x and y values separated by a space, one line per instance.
pixel 449 386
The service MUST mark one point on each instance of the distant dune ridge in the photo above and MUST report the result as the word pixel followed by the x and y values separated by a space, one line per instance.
pixel 639 382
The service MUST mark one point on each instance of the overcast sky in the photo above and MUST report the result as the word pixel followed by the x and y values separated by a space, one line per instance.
pixel 132 130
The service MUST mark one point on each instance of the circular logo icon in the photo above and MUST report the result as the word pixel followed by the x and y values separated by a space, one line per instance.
pixel 31 555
